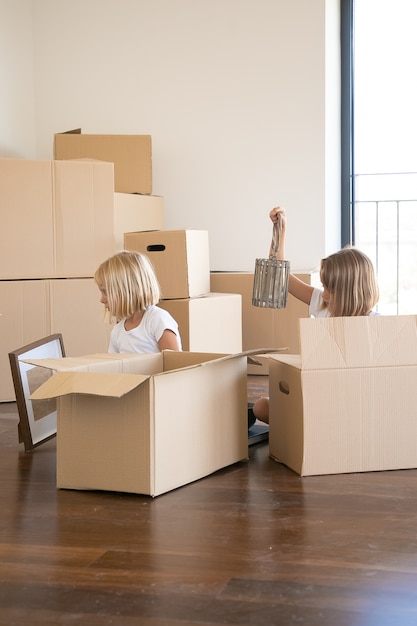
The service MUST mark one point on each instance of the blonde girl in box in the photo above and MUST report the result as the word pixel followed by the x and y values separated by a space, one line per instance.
pixel 130 292
pixel 349 288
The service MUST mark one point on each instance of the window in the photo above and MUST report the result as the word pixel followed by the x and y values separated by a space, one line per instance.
pixel 379 158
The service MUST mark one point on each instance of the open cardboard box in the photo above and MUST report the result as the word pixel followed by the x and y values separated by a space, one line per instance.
pixel 146 423
pixel 348 402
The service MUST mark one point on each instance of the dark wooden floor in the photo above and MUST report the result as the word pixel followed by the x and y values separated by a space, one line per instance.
pixel 251 544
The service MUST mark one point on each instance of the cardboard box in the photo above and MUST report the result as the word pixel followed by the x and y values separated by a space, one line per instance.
pixel 264 328
pixel 77 313
pixel 180 258
pixel 58 215
pixel 32 309
pixel 348 402
pixel 209 323
pixel 136 212
pixel 131 155
pixel 24 319
pixel 147 423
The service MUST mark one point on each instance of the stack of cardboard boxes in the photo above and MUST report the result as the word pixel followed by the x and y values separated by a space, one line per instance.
pixel 265 328
pixel 57 223
pixel 208 321
pixel 62 218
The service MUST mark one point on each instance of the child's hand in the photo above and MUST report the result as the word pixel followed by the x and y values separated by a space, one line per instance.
pixel 276 212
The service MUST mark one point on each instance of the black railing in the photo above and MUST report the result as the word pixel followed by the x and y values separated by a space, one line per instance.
pixel 385 218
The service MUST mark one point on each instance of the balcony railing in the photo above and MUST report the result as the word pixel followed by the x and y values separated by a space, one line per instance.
pixel 385 228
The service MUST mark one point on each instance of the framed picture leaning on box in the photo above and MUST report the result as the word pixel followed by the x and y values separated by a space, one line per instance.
pixel 37 418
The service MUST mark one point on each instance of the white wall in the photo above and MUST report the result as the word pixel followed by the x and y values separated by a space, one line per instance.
pixel 242 106
pixel 17 98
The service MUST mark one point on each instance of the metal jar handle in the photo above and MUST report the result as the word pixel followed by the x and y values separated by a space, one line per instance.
pixel 270 283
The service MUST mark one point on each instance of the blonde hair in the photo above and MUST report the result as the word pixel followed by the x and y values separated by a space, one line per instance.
pixel 130 283
pixel 349 276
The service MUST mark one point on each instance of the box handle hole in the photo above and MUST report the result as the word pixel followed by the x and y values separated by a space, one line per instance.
pixel 284 387
pixel 157 247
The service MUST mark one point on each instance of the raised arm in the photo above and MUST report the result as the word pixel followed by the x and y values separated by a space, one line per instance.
pixel 296 287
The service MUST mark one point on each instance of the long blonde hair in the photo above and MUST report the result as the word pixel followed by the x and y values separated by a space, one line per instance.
pixel 349 276
pixel 130 283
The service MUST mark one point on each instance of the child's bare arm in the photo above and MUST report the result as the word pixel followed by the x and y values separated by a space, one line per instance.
pixel 168 341
pixel 296 287
pixel 299 289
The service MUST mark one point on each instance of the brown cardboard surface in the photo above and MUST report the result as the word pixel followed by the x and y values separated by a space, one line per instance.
pixel 76 312
pixel 105 362
pixel 136 212
pixel 59 215
pixel 25 318
pixel 130 154
pixel 163 432
pixel 32 309
pixel 180 257
pixel 373 341
pixel 27 206
pixel 209 323
pixel 357 414
pixel 131 363
pixel 84 216
pixel 110 385
pixel 264 327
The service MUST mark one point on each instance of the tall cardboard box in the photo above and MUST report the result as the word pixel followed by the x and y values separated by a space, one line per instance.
pixel 25 317
pixel 59 216
pixel 147 423
pixel 82 323
pixel 32 309
pixel 209 323
pixel 264 328
pixel 130 154
pixel 348 402
pixel 135 212
pixel 180 258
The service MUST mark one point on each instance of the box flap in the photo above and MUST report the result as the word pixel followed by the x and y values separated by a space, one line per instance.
pixel 63 363
pixel 75 131
pixel 348 342
pixel 132 363
pixel 108 385
pixel 90 362
pixel 253 354
pixel 182 360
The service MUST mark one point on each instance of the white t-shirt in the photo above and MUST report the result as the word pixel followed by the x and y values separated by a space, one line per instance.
pixel 144 338
pixel 316 302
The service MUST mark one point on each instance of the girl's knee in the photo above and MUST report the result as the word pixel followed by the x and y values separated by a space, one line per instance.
pixel 261 409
